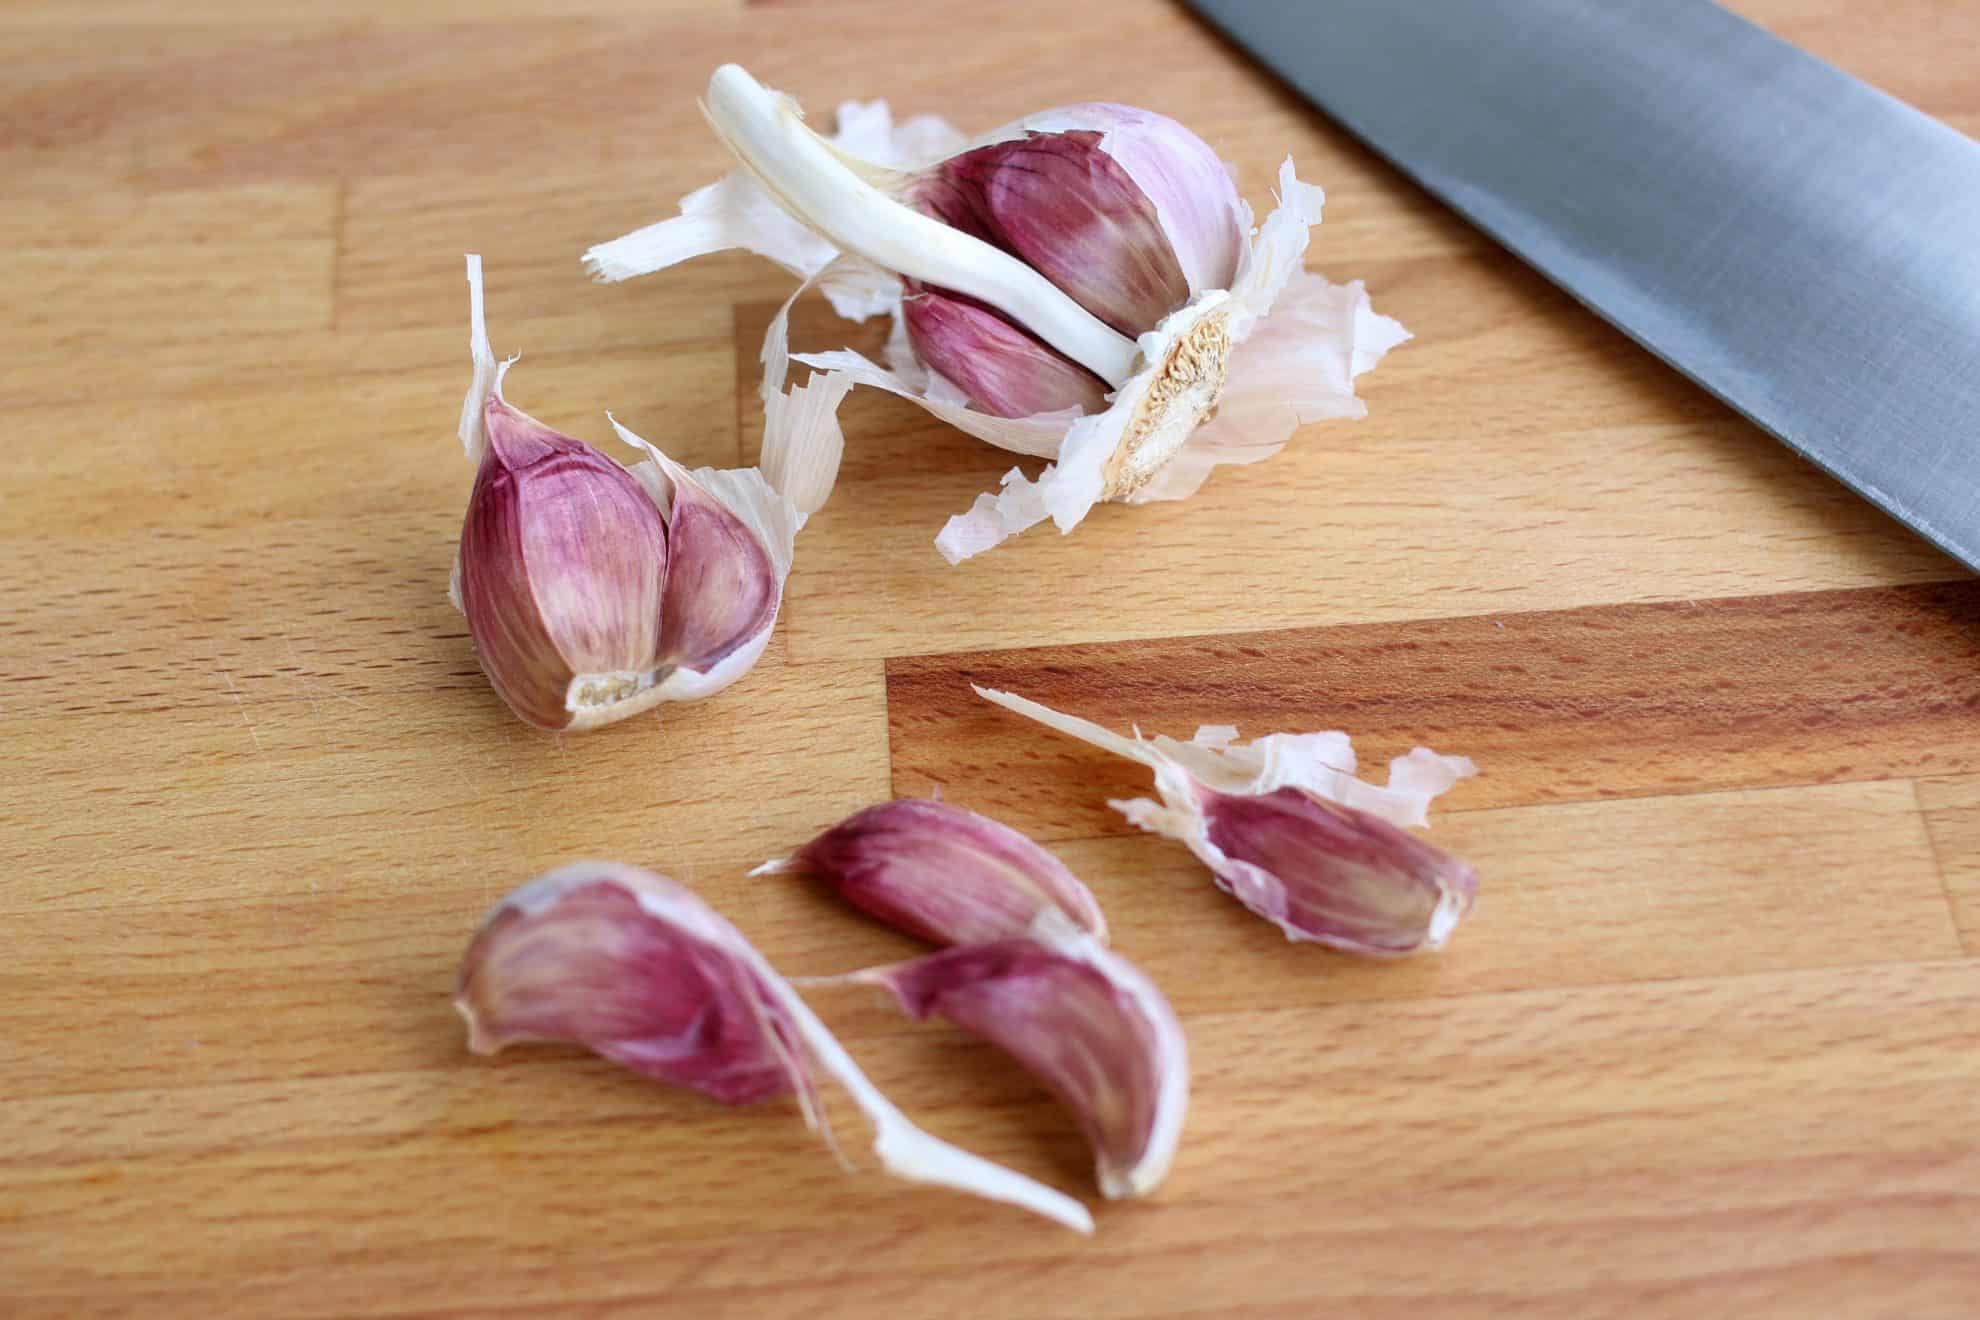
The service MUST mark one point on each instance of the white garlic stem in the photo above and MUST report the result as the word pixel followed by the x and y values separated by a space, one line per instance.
pixel 810 179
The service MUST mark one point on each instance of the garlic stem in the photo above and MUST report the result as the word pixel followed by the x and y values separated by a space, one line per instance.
pixel 810 179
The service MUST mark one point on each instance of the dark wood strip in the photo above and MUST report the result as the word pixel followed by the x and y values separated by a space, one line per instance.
pixel 1568 705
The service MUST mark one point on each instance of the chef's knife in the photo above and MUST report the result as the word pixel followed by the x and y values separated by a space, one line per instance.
pixel 1797 242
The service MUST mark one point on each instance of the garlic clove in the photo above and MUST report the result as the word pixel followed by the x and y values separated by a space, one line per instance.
pixel 640 970
pixel 563 559
pixel 1083 1020
pixel 1060 201
pixel 1336 875
pixel 1001 369
pixel 731 537
pixel 580 956
pixel 945 874
pixel 1287 829
pixel 1194 196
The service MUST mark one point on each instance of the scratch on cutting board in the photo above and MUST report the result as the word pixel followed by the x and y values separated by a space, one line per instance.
pixel 309 684
pixel 240 704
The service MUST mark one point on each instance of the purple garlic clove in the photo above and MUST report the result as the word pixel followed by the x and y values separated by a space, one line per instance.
pixel 1335 875
pixel 1084 1021
pixel 562 564
pixel 1003 370
pixel 722 589
pixel 945 874
pixel 1062 205
pixel 641 971
pixel 1287 829
pixel 580 956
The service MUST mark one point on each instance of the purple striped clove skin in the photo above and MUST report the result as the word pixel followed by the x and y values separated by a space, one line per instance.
pixel 1335 874
pixel 945 874
pixel 1062 205
pixel 1082 1020
pixel 563 558
pixel 1127 212
pixel 1002 369
pixel 722 592
pixel 580 956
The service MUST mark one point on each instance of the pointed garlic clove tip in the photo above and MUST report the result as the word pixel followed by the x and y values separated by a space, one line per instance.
pixel 1336 875
pixel 583 956
pixel 1084 1021
pixel 945 874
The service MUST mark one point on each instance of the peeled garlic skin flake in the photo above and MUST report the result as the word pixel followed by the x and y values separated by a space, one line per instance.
pixel 942 873
pixel 640 970
pixel 1289 831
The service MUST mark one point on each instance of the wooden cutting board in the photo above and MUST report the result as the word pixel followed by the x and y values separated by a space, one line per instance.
pixel 1709 1047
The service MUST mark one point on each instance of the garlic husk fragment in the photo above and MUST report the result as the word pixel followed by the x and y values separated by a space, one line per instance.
pixel 944 874
pixel 1258 347
pixel 562 563
pixel 640 970
pixel 1289 831
pixel 1082 1019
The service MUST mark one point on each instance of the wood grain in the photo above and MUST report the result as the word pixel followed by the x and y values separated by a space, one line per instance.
pixel 1602 702
pixel 1706 1047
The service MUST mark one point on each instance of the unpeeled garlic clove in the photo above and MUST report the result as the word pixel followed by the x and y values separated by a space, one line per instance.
pixel 1287 829
pixel 563 560
pixel 1108 202
pixel 1083 1020
pixel 1003 370
pixel 945 874
pixel 632 967
pixel 1336 875
pixel 640 970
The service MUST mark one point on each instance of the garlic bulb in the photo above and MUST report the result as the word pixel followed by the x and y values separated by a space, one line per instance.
pixel 1288 831
pixel 640 970
pixel 1083 1020
pixel 1083 285
pixel 594 591
pixel 945 874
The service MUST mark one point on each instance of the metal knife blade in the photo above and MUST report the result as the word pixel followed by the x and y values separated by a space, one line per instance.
pixel 1802 245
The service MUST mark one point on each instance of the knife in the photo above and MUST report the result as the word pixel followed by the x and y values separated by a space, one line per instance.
pixel 1800 244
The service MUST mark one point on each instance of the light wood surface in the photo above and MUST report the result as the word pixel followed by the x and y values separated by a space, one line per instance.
pixel 1709 1047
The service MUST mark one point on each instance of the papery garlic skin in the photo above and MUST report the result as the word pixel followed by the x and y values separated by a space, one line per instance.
pixel 1255 348
pixel 1083 1020
pixel 944 874
pixel 563 559
pixel 1287 829
pixel 639 969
